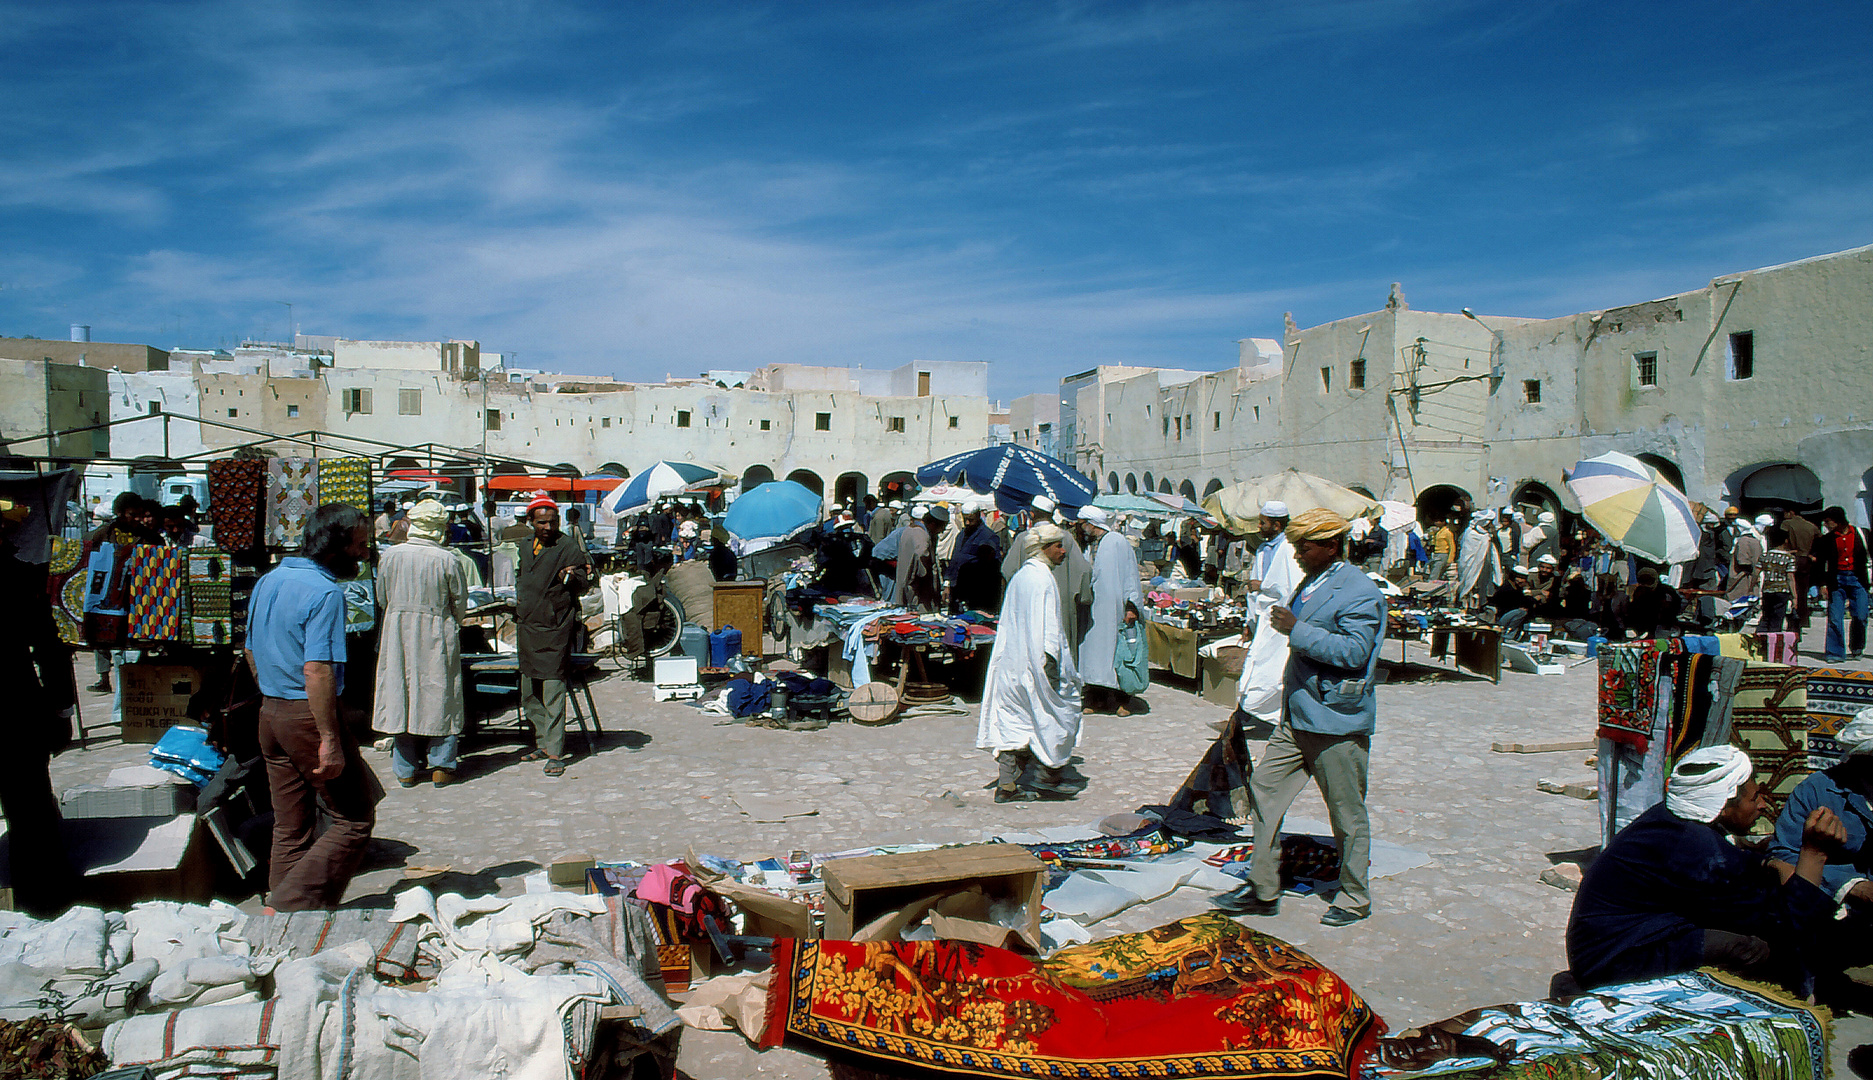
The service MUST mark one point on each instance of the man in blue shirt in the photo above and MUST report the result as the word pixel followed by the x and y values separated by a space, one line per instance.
pixel 1844 790
pixel 296 648
pixel 1334 625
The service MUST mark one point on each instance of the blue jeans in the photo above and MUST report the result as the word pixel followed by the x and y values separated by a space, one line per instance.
pixel 1847 590
pixel 406 750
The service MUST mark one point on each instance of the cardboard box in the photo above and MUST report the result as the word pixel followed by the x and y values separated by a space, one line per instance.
pixel 155 697
pixel 126 860
pixel 861 890
pixel 1216 686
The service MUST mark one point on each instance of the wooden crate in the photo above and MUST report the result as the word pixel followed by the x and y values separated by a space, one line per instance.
pixel 740 604
pixel 861 889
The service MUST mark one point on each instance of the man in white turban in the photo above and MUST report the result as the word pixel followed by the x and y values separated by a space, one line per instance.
pixel 1115 584
pixel 1843 790
pixel 1073 575
pixel 1273 576
pixel 1672 893
pixel 1031 695
pixel 423 591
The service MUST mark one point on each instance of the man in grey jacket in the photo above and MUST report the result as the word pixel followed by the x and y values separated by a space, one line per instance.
pixel 1335 625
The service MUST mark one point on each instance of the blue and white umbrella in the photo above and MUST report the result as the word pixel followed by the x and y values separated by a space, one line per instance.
pixel 663 478
pixel 772 512
pixel 1014 475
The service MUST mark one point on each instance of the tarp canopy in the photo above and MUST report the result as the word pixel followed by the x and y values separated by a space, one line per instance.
pixel 1239 508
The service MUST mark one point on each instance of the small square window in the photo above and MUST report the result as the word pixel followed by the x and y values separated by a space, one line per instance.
pixel 156 408
pixel 1645 368
pixel 292 411
pixel 232 413
pixel 682 418
pixel 409 402
pixel 1531 391
pixel 1167 427
pixel 491 419
pixel 1326 380
pixel 604 421
pixel 1743 355
pixel 767 425
pixel 894 423
pixel 956 421
pixel 1356 379
pixel 822 421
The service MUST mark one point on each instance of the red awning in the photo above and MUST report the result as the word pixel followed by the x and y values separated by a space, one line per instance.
pixel 528 483
pixel 420 474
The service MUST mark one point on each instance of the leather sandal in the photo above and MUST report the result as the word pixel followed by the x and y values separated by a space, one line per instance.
pixel 534 755
pixel 556 766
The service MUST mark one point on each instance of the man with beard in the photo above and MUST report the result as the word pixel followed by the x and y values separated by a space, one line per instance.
pixel 975 574
pixel 296 648
pixel 547 586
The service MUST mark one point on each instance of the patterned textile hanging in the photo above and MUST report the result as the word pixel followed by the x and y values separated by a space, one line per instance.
pixel 292 495
pixel 345 480
pixel 236 492
pixel 156 585
pixel 211 597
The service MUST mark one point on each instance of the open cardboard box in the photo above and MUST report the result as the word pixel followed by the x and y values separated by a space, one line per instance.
pixel 873 893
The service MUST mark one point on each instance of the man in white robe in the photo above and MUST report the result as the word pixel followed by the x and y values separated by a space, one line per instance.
pixel 1479 563
pixel 1273 576
pixel 1073 575
pixel 1115 583
pixel 423 591
pixel 1031 696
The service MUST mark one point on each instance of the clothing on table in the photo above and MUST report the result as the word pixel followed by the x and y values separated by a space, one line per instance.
pixel 1031 692
pixel 310 869
pixel 296 616
pixel 1115 584
pixel 423 593
pixel 1258 690
pixel 1646 900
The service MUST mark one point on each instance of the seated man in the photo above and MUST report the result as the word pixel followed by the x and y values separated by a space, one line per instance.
pixel 1671 893
pixel 1562 600
pixel 1653 609
pixel 1511 601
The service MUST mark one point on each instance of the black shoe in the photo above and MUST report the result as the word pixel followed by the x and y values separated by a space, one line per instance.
pixel 1243 901
pixel 1051 792
pixel 1339 916
pixel 102 686
pixel 1003 794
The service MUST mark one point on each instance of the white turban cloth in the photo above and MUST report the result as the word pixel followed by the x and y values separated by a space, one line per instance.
pixel 1274 508
pixel 1094 515
pixel 1857 736
pixel 1705 780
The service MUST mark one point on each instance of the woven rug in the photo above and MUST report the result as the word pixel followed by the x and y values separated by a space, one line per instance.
pixel 1628 693
pixel 1702 1025
pixel 1203 996
pixel 1834 696
pixel 1769 720
pixel 211 597
pixel 292 494
pixel 156 583
pixel 236 492
pixel 346 480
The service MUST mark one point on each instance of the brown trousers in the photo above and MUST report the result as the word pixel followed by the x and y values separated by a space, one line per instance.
pixel 310 869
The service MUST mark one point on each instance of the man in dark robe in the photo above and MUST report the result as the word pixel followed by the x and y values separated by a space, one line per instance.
pixel 1672 893
pixel 975 572
pixel 553 574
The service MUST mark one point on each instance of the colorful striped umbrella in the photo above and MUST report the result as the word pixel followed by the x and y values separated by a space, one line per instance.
pixel 1635 508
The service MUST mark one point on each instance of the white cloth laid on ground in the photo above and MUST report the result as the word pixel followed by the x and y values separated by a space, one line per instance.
pixel 1258 690
pixel 493 924
pixel 1115 582
pixel 1021 706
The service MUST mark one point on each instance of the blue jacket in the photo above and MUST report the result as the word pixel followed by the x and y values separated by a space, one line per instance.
pixel 1333 653
pixel 1826 789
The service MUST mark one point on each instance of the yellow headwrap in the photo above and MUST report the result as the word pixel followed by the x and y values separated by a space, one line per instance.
pixel 1038 536
pixel 1320 524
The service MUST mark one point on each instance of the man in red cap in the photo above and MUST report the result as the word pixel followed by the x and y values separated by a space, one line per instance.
pixel 551 577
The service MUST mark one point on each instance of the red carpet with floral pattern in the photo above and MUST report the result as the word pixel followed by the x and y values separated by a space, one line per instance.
pixel 1203 996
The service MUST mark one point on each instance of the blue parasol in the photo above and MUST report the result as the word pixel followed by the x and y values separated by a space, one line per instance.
pixel 774 511
pixel 1013 474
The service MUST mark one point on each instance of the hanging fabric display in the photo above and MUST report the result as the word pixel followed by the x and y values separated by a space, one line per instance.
pixel 156 584
pixel 346 480
pixel 104 605
pixel 292 494
pixel 211 597
pixel 1770 723
pixel 236 492
pixel 1834 696
pixel 65 567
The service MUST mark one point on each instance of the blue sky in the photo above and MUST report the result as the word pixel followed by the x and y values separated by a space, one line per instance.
pixel 637 188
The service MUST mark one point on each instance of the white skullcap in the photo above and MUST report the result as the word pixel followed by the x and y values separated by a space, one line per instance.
pixel 917 512
pixel 1274 508
pixel 1548 560
pixel 1515 515
pixel 1765 521
pixel 1705 780
pixel 1546 517
pixel 897 504
pixel 1518 568
pixel 1857 736
pixel 1043 505
pixel 1094 515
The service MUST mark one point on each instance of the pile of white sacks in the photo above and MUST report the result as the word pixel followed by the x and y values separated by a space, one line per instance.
pixel 439 987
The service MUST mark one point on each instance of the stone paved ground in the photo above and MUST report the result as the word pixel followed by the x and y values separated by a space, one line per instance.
pixel 1473 927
